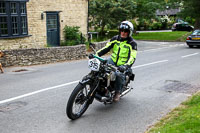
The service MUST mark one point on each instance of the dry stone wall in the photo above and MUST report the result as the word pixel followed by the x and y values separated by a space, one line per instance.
pixel 99 45
pixel 34 56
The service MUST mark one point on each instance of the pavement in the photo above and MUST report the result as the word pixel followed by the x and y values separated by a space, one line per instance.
pixel 155 31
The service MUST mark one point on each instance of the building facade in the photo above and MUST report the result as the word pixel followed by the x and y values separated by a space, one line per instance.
pixel 39 23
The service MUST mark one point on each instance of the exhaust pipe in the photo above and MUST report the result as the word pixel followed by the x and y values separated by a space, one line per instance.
pixel 101 99
pixel 126 91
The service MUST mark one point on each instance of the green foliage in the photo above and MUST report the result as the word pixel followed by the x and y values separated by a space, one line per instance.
pixel 189 8
pixel 190 20
pixel 112 33
pixel 158 23
pixel 107 14
pixel 146 9
pixel 134 24
pixel 108 35
pixel 110 12
pixel 156 26
pixel 161 36
pixel 184 119
pixel 195 100
pixel 72 36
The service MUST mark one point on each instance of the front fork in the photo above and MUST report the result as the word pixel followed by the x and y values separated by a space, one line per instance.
pixel 94 84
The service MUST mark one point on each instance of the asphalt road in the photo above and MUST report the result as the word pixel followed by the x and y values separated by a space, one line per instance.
pixel 34 101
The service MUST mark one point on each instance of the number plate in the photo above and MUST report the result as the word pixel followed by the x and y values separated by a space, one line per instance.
pixel 94 64
pixel 195 38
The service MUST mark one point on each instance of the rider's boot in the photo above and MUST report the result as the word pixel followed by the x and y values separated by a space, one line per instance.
pixel 116 97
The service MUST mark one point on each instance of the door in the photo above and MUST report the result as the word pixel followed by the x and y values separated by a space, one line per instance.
pixel 53 29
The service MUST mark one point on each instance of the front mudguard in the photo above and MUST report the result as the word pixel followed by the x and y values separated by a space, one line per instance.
pixel 84 81
pixel 88 80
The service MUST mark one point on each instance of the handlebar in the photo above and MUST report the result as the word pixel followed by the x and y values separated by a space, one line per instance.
pixel 114 68
pixel 101 59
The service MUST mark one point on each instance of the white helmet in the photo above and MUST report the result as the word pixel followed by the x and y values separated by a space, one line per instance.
pixel 126 25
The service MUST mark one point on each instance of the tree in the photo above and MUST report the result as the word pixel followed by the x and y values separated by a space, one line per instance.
pixel 189 8
pixel 192 8
pixel 146 9
pixel 100 12
pixel 110 12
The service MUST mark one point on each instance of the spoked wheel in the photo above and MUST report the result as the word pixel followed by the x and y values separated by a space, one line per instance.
pixel 78 101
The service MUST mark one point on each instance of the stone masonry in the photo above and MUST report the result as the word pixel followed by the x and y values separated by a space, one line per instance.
pixel 35 56
pixel 72 13
pixel 99 45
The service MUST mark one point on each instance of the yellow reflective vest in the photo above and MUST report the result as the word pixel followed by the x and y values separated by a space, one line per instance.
pixel 124 51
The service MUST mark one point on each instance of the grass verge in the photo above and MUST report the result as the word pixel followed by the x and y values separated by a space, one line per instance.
pixel 183 119
pixel 153 36
pixel 163 36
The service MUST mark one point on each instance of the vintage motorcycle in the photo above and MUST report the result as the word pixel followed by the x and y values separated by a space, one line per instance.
pixel 98 84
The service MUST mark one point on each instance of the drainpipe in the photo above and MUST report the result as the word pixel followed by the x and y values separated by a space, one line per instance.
pixel 88 20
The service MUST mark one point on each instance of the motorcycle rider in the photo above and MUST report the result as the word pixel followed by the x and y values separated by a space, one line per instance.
pixel 124 51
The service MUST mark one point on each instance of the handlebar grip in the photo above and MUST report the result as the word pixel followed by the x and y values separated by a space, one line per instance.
pixel 91 56
pixel 101 59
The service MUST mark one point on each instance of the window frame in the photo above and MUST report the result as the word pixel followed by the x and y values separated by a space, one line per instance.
pixel 18 27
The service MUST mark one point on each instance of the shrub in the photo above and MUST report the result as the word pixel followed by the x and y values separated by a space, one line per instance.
pixel 190 20
pixel 134 24
pixel 107 35
pixel 156 26
pixel 112 33
pixel 72 36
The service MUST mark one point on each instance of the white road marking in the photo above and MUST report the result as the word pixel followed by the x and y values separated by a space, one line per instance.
pixel 66 84
pixel 36 92
pixel 148 64
pixel 149 50
pixel 189 55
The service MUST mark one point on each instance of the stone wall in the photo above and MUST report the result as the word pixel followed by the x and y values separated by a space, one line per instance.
pixel 99 45
pixel 71 13
pixel 34 56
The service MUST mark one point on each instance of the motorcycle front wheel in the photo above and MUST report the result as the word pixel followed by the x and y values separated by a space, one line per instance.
pixel 78 101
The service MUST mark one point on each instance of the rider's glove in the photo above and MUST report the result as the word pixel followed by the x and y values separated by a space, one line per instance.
pixel 122 68
pixel 91 56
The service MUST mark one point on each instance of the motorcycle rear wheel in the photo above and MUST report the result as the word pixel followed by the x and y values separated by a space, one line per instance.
pixel 78 99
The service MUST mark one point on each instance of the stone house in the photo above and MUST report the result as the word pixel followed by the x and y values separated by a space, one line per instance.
pixel 39 23
pixel 169 12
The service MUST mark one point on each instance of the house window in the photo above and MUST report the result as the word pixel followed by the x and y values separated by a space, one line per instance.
pixel 13 8
pixel 4 26
pixel 2 7
pixel 24 25
pixel 13 19
pixel 23 8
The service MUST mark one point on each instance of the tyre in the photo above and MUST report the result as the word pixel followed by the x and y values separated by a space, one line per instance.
pixel 78 101
pixel 190 46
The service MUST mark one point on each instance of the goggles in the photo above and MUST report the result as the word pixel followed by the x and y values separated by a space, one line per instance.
pixel 124 28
